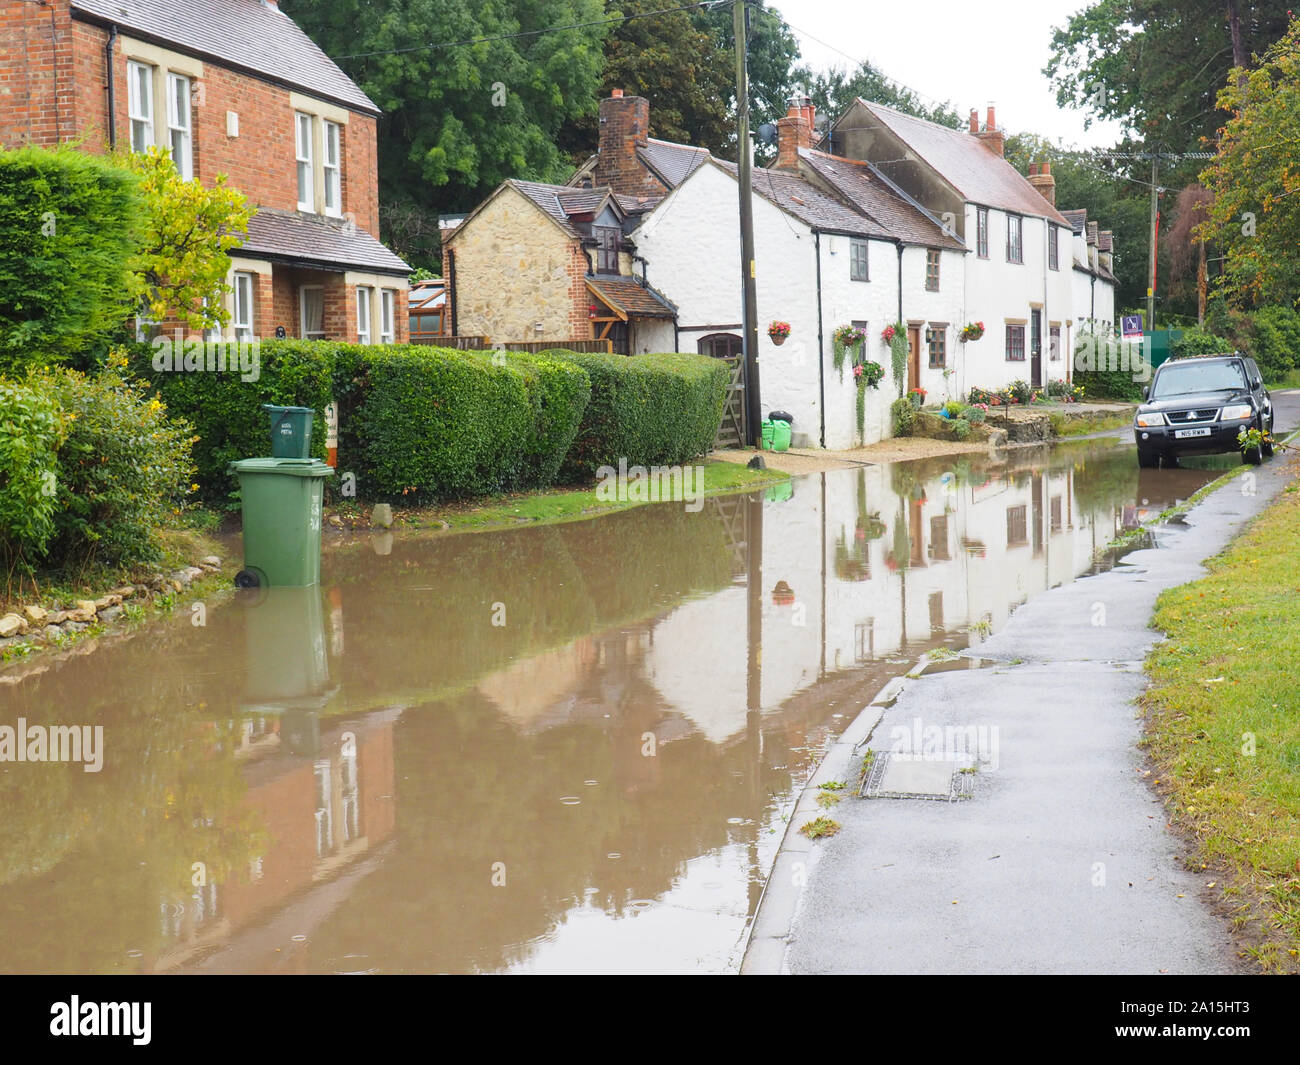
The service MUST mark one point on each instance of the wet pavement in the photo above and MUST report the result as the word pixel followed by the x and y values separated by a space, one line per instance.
pixel 552 749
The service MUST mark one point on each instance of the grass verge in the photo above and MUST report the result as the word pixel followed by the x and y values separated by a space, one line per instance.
pixel 1223 728
pixel 554 505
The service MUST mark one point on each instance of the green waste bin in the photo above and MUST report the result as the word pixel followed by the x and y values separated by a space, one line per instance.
pixel 290 431
pixel 768 433
pixel 780 435
pixel 282 516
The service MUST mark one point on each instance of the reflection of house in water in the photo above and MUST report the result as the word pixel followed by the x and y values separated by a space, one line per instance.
pixel 324 807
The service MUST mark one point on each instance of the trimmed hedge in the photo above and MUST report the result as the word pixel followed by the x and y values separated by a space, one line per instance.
pixel 422 423
pixel 68 227
pixel 652 410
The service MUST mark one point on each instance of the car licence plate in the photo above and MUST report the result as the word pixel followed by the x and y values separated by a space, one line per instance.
pixel 1179 434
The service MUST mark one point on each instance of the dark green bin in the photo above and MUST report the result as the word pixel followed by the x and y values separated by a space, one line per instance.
pixel 282 501
pixel 290 431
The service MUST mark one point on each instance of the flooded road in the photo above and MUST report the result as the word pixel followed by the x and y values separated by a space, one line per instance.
pixel 549 749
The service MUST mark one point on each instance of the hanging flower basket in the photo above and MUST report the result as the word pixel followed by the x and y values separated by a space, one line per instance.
pixel 778 331
pixel 972 331
pixel 888 333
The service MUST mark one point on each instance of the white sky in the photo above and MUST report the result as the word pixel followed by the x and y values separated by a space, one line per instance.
pixel 970 54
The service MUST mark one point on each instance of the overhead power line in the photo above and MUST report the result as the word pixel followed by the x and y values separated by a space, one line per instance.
pixel 704 4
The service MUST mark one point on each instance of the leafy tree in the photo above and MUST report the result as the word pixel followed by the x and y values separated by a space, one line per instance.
pixel 834 91
pixel 459 118
pixel 1157 65
pixel 189 230
pixel 1255 212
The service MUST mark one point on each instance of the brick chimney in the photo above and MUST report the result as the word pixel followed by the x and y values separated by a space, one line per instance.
pixel 793 132
pixel 974 121
pixel 624 127
pixel 994 139
pixel 1040 176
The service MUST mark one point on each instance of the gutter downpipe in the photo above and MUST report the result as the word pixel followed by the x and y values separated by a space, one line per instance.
pixel 821 344
pixel 451 292
pixel 112 92
pixel 900 282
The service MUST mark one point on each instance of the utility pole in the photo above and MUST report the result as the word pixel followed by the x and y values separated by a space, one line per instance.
pixel 749 295
pixel 1151 269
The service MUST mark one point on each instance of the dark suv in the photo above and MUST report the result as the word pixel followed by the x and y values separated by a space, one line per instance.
pixel 1198 406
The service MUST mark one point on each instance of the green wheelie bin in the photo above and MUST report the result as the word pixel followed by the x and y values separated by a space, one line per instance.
pixel 290 431
pixel 282 501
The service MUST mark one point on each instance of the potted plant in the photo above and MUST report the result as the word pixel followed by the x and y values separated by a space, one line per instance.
pixel 972 331
pixel 845 339
pixel 917 396
pixel 866 375
pixel 778 331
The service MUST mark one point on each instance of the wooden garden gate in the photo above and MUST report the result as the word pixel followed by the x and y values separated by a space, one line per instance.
pixel 732 431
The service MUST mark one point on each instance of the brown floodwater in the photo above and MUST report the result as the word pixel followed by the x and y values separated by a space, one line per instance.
pixel 568 748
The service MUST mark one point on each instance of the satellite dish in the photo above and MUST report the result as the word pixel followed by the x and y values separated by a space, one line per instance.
pixel 767 133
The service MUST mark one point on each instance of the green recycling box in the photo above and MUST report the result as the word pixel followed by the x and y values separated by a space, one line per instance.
pixel 282 517
pixel 780 435
pixel 290 431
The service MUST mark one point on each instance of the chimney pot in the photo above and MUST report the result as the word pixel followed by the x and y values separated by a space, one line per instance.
pixel 992 122
pixel 974 120
pixel 617 94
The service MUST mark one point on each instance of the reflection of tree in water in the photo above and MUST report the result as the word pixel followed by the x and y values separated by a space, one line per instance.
pixel 86 858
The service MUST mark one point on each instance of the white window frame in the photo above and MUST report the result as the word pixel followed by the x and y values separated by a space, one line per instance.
pixel 140 107
pixel 305 156
pixel 241 321
pixel 332 146
pixel 365 306
pixel 387 315
pixel 180 126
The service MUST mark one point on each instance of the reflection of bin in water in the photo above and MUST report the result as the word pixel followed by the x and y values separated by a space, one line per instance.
pixel 281 501
pixel 284 645
pixel 286 663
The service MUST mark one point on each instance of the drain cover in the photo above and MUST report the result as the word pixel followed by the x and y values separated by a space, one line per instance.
pixel 895 776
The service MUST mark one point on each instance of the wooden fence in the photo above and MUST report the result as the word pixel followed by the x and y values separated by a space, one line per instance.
pixel 483 344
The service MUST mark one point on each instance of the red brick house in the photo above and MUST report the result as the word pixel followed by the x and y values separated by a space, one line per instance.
pixel 232 87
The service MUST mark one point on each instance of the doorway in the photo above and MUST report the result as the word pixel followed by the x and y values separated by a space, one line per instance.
pixel 1036 347
pixel 913 357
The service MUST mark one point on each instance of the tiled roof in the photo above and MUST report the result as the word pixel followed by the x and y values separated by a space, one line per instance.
pixel 861 186
pixel 288 235
pixel 637 204
pixel 1105 240
pixel 673 162
pixel 980 175
pixel 561 201
pixel 1077 219
pixel 631 297
pixel 247 34
pixel 802 199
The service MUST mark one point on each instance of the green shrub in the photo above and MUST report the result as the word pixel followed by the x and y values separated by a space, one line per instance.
pixel 1199 342
pixel 952 408
pixel 434 422
pixel 68 228
pixel 904 415
pixel 1275 340
pixel 124 469
pixel 558 394
pixel 651 410
pixel 974 415
pixel 961 429
pixel 31 429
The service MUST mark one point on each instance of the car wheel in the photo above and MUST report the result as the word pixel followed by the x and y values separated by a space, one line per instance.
pixel 1148 460
pixel 1253 456
pixel 1268 441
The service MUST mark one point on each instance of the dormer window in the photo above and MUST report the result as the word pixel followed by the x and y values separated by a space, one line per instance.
pixel 607 244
